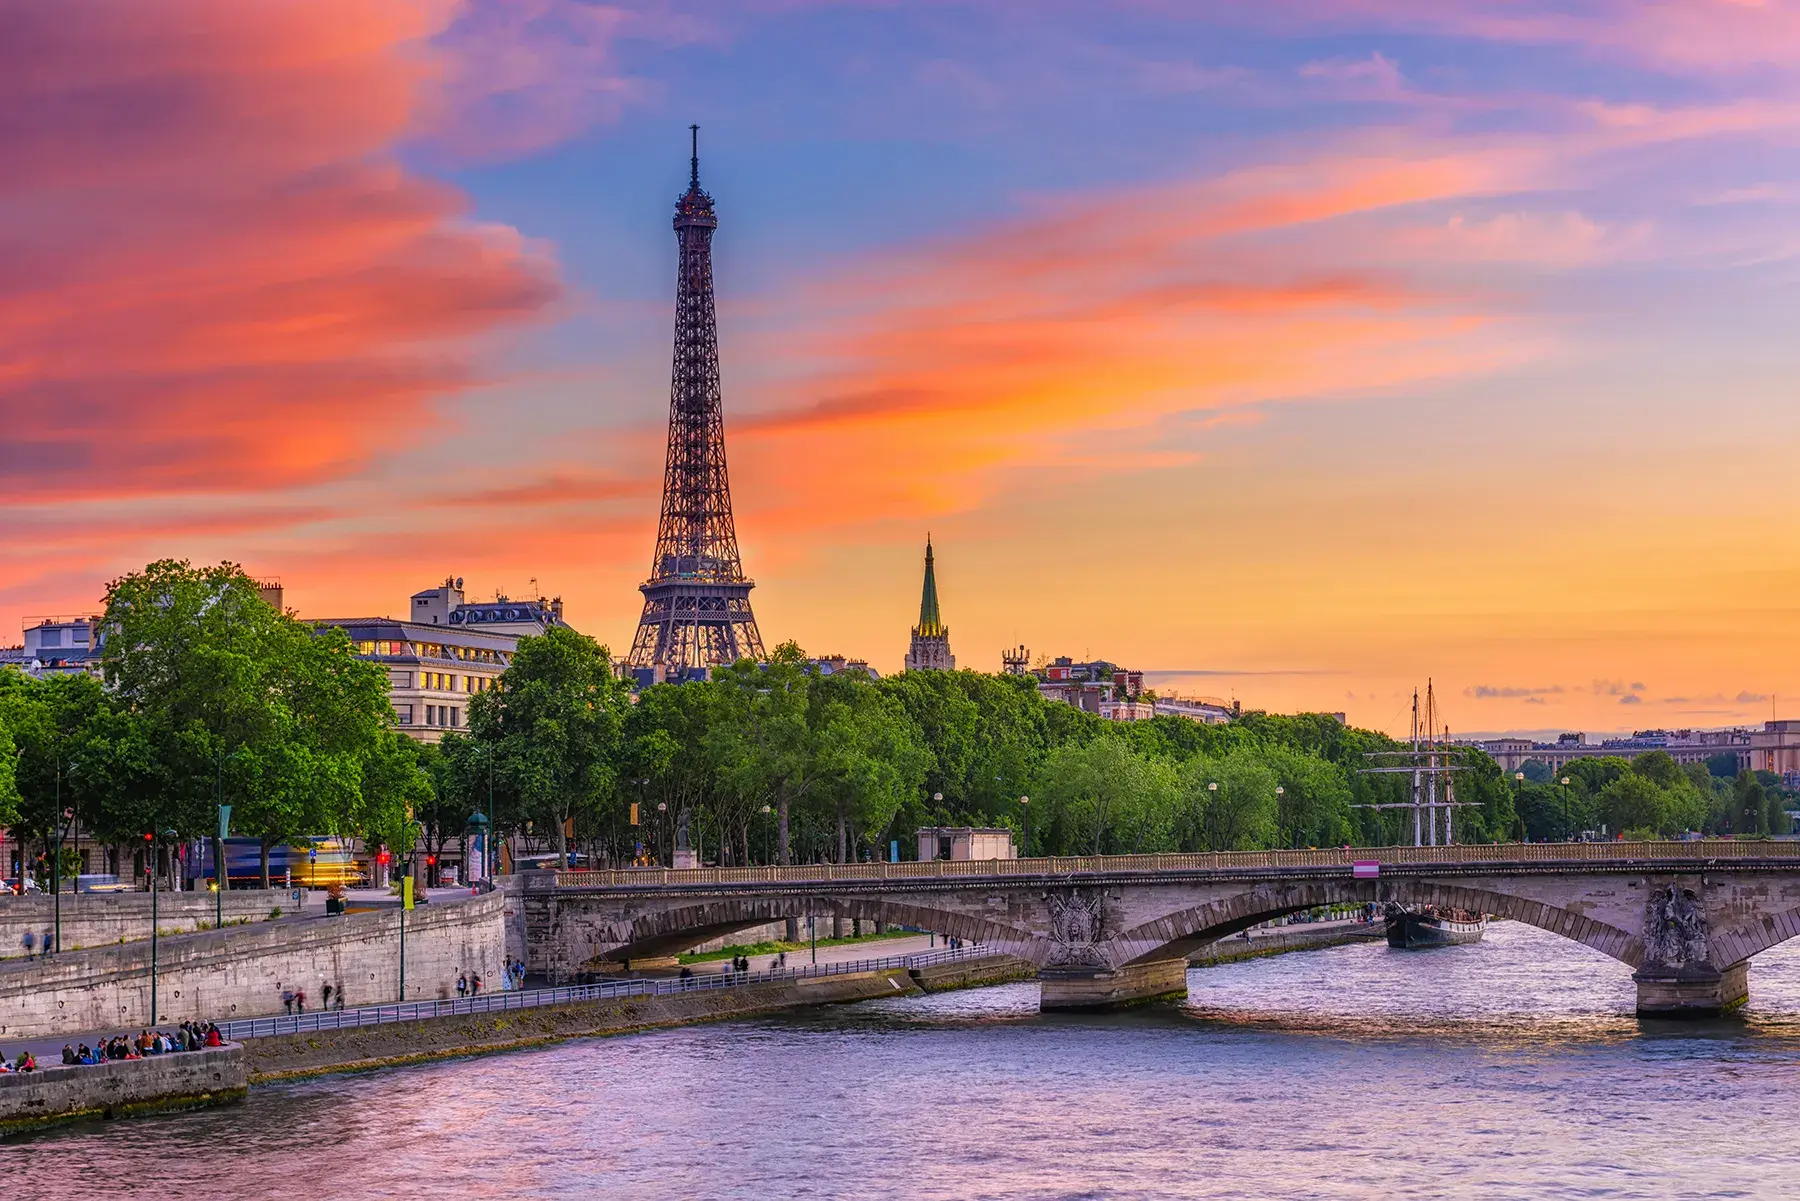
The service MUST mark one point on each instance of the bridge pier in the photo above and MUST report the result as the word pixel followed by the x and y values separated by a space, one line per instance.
pixel 1693 990
pixel 1098 988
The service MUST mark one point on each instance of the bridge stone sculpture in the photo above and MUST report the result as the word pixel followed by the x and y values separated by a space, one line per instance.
pixel 1105 931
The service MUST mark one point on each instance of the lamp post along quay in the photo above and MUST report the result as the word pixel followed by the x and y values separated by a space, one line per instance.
pixel 150 840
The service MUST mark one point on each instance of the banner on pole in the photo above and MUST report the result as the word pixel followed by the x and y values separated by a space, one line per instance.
pixel 406 892
pixel 224 821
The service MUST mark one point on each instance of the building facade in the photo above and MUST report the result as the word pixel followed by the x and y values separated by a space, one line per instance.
pixel 1684 746
pixel 447 651
pixel 966 842
pixel 930 649
pixel 1115 693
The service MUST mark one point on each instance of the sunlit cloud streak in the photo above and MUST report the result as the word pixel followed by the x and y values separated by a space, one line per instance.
pixel 218 275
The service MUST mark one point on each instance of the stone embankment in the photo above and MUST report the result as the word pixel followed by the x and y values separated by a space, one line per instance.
pixel 1284 939
pixel 98 919
pixel 188 1080
pixel 241 971
pixel 972 973
pixel 364 1048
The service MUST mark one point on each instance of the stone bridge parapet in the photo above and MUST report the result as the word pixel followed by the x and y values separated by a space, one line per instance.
pixel 1686 916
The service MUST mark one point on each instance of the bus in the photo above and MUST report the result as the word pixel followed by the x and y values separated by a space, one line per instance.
pixel 314 863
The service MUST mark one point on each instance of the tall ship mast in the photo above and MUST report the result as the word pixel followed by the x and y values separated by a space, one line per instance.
pixel 1432 762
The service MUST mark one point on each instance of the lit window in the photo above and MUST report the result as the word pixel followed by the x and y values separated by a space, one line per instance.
pixel 403 715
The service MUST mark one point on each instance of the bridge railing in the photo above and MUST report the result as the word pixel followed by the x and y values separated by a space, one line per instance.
pixel 1707 849
pixel 501 1002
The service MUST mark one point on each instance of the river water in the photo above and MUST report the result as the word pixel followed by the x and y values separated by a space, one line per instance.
pixel 1510 1069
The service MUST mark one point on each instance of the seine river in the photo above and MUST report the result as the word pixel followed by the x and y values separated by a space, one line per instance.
pixel 1509 1069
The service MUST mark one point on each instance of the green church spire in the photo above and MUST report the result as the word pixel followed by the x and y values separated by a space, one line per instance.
pixel 931 623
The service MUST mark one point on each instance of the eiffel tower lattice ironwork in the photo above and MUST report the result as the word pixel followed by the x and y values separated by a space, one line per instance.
pixel 697 599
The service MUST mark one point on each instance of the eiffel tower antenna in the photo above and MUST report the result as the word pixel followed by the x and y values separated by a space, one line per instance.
pixel 697 599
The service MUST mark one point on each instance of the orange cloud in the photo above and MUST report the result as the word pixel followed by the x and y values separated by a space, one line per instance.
pixel 217 274
pixel 1025 345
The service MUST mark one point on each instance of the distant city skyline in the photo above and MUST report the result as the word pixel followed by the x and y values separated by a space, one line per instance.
pixel 1320 347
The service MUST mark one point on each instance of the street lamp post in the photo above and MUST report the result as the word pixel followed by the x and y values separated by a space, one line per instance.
pixel 487 835
pixel 150 862
pixel 662 820
pixel 765 812
pixel 1565 806
pixel 151 840
pixel 68 815
pixel 1279 814
pixel 1025 809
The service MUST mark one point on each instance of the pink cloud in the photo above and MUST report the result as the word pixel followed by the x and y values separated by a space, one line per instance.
pixel 217 276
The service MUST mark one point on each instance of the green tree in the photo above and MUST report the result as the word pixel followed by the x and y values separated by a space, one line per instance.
pixel 871 759
pixel 1633 804
pixel 763 738
pixel 557 718
pixel 54 724
pixel 228 687
pixel 9 782
pixel 1233 801
pixel 1751 805
pixel 1104 797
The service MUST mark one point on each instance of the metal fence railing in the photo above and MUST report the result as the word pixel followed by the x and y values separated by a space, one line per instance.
pixel 1484 854
pixel 501 1002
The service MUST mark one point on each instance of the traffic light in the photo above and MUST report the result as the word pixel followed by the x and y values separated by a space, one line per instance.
pixel 431 861
pixel 382 857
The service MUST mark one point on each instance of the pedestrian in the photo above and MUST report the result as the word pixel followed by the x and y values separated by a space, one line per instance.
pixel 475 984
pixel 340 996
pixel 49 941
pixel 68 1055
pixel 462 986
pixel 213 1037
pixel 325 991
pixel 287 1001
pixel 30 941
pixel 300 1000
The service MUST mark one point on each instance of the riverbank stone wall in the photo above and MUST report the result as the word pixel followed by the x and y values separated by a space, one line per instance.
pixel 98 919
pixel 241 971
pixel 187 1080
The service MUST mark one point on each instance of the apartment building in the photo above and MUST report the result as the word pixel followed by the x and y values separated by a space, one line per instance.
pixel 446 651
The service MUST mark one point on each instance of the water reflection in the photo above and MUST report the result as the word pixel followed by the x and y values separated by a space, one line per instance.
pixel 1509 1069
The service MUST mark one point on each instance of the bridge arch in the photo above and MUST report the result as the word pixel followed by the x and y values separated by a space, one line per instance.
pixel 1186 930
pixel 1733 944
pixel 672 928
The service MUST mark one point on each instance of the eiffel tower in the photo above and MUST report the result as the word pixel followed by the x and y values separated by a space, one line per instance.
pixel 697 599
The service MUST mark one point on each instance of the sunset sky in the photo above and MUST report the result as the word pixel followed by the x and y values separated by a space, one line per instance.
pixel 1295 351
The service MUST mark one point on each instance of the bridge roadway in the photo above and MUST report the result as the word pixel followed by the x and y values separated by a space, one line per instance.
pixel 1117 929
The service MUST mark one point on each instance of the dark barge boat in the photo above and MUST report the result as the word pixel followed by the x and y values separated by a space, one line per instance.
pixel 1430 926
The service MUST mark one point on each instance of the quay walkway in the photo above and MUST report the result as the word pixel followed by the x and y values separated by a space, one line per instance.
pixel 49 1050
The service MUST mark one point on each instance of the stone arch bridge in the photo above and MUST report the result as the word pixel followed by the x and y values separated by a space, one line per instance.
pixel 1105 930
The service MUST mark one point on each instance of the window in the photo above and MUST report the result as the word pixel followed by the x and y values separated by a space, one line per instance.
pixel 431 715
pixel 455 717
pixel 400 679
pixel 403 715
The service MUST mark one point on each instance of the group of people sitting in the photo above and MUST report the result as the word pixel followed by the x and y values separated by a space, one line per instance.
pixel 189 1036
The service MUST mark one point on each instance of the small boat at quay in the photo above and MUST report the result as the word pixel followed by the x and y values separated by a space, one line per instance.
pixel 1430 926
